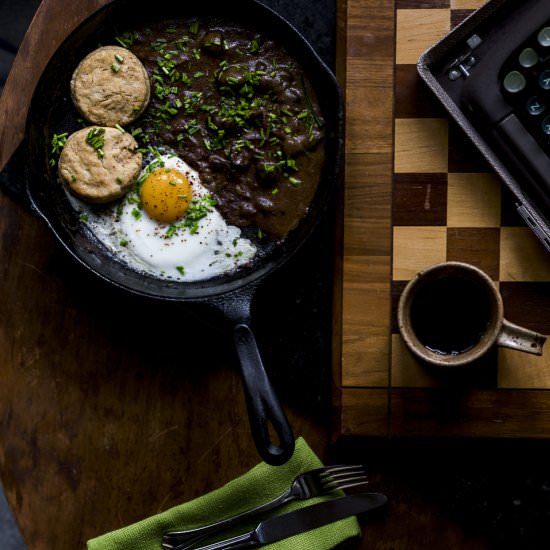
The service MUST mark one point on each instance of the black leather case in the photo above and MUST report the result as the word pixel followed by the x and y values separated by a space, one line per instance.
pixel 465 71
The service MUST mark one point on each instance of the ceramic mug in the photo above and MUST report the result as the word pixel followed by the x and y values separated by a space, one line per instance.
pixel 451 314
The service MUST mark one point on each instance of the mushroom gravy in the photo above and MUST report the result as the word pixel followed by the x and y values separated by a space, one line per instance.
pixel 236 107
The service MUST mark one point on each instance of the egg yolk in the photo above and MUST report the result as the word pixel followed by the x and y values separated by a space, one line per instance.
pixel 166 194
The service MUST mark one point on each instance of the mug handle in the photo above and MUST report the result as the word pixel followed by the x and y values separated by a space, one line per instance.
pixel 522 339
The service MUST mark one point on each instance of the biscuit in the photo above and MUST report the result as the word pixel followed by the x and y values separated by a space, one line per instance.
pixel 100 164
pixel 110 86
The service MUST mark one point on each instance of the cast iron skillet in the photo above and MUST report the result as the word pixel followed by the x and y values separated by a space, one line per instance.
pixel 52 111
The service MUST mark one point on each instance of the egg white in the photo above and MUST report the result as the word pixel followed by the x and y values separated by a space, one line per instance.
pixel 169 251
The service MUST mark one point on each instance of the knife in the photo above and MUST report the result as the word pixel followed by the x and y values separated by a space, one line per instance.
pixel 301 520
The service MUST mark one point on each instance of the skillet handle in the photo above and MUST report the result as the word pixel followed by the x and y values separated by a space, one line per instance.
pixel 262 403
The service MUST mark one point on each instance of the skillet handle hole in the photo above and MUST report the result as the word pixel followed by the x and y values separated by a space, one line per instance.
pixel 268 421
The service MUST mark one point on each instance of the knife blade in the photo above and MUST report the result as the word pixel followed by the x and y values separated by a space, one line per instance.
pixel 301 520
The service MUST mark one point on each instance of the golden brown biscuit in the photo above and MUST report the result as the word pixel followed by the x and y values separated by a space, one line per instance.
pixel 110 86
pixel 100 164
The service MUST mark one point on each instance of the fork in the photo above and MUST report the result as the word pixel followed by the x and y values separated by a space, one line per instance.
pixel 310 484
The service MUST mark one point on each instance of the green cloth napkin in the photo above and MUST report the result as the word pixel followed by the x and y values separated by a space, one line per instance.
pixel 259 485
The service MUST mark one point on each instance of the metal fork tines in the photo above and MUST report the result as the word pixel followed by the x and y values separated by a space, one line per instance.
pixel 328 479
pixel 310 484
pixel 344 477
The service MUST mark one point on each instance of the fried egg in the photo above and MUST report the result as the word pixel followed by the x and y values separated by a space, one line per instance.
pixel 169 227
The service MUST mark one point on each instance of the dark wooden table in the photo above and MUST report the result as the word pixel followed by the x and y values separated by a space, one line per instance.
pixel 114 408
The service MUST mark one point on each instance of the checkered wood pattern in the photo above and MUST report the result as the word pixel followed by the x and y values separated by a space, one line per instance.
pixel 446 204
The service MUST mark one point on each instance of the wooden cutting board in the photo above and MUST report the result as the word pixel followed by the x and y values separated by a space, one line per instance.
pixel 418 193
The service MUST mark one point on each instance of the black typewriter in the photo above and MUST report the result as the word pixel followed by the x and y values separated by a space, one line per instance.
pixel 492 73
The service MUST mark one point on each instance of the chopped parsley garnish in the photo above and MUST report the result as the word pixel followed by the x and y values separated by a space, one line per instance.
pixel 198 209
pixel 158 44
pixel 194 27
pixel 181 269
pixel 58 142
pixel 95 138
pixel 126 39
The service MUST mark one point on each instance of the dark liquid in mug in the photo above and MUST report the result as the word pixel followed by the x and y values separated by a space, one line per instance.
pixel 450 315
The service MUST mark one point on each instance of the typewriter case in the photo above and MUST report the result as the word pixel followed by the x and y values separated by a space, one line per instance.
pixel 464 71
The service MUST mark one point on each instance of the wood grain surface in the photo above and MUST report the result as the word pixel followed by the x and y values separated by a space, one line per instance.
pixel 417 193
pixel 113 409
pixel 366 226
